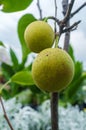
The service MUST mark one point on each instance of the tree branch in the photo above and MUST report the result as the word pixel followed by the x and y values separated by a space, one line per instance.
pixel 40 11
pixel 68 11
pixel 72 27
pixel 54 18
pixel 55 15
pixel 54 111
pixel 54 96
pixel 67 8
pixel 66 22
pixel 5 115
pixel 72 14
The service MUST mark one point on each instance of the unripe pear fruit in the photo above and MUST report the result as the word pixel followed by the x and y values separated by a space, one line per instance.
pixel 53 70
pixel 38 36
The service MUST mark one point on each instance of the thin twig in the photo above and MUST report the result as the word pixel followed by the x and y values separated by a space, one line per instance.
pixel 39 8
pixel 5 115
pixel 72 14
pixel 55 14
pixel 68 15
pixel 72 27
pixel 54 18
pixel 55 8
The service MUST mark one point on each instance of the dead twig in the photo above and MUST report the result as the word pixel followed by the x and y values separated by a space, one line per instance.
pixel 5 115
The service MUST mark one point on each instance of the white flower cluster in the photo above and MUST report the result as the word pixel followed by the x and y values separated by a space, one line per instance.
pixel 26 118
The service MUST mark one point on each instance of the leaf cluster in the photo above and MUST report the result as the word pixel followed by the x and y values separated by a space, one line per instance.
pixel 74 92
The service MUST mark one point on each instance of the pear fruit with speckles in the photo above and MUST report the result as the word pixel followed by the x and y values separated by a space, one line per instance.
pixel 39 35
pixel 53 70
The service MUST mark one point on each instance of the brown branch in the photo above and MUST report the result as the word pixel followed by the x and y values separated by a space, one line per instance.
pixel 72 27
pixel 72 14
pixel 54 96
pixel 66 22
pixel 5 115
pixel 40 11
pixel 55 15
pixel 68 12
pixel 55 8
pixel 64 6
pixel 55 19
pixel 54 111
pixel 68 15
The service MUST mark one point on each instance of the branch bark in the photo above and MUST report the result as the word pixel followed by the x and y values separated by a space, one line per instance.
pixel 54 96
pixel 76 11
pixel 55 15
pixel 39 8
pixel 5 115
pixel 54 111
pixel 72 27
pixel 67 8
pixel 66 12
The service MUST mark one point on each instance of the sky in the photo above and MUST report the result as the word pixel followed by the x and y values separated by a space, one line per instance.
pixel 8 26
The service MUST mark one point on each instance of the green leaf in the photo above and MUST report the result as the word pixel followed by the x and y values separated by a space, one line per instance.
pixel 6 94
pixel 71 52
pixel 1 44
pixel 14 5
pixel 14 58
pixel 35 89
pixel 78 70
pixel 23 78
pixel 7 70
pixel 73 88
pixel 76 83
pixel 22 24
